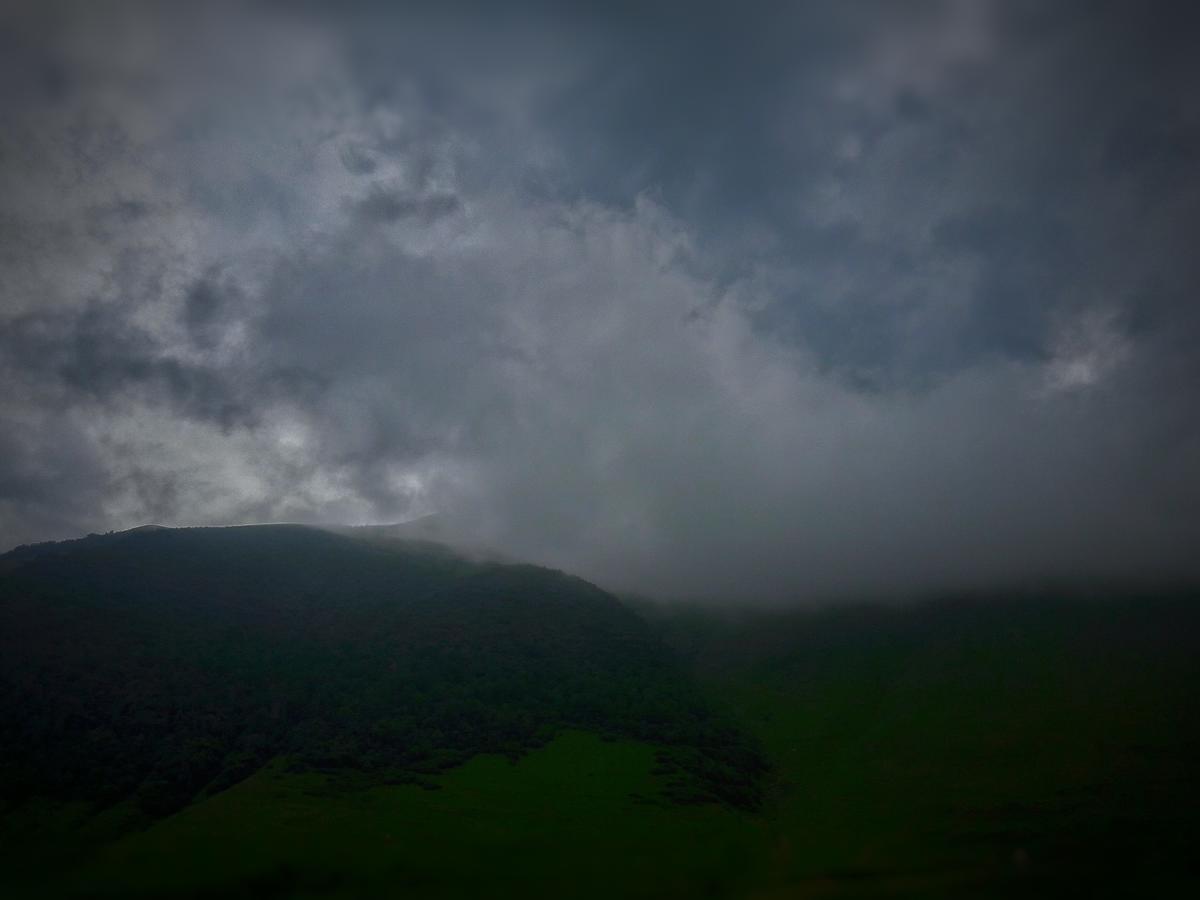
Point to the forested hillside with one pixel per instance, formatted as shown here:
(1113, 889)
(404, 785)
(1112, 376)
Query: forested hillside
(166, 665)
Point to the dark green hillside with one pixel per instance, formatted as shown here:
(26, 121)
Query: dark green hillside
(285, 712)
(166, 665)
(1006, 746)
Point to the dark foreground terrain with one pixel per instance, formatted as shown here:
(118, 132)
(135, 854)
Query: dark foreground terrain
(280, 711)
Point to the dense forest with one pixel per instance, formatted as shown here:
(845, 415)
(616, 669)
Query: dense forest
(165, 665)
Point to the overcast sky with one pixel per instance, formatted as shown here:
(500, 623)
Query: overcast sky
(787, 301)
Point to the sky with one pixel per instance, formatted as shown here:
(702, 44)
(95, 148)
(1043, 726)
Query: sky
(732, 301)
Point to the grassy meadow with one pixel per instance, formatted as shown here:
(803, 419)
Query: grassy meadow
(579, 817)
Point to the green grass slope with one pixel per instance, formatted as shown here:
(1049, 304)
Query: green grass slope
(579, 817)
(1009, 748)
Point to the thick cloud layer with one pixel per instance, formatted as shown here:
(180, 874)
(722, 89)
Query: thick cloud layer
(822, 300)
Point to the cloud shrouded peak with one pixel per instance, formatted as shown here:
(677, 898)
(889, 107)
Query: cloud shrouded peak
(810, 302)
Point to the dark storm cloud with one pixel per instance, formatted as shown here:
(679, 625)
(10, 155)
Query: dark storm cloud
(358, 160)
(390, 205)
(1025, 258)
(802, 301)
(51, 481)
(96, 355)
(202, 308)
(914, 120)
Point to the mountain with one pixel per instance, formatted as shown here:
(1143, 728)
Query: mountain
(286, 712)
(166, 665)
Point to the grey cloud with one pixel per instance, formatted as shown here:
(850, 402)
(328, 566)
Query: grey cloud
(96, 355)
(1026, 257)
(1156, 142)
(358, 160)
(210, 303)
(807, 302)
(394, 205)
(52, 480)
